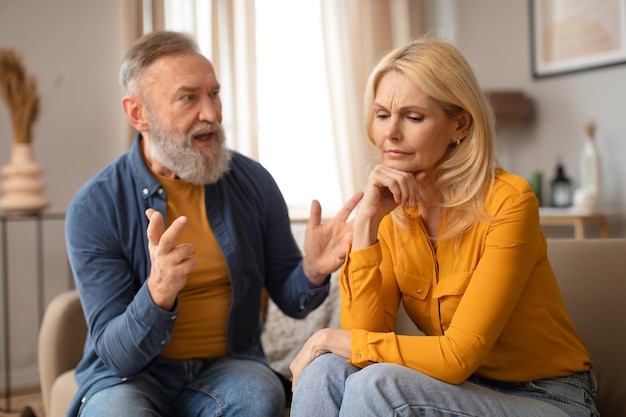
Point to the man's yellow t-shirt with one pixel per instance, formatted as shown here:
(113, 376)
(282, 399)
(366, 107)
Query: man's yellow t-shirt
(204, 302)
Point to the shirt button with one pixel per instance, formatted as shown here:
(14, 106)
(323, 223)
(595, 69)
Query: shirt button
(82, 400)
(301, 307)
(145, 191)
(173, 317)
(419, 291)
(160, 191)
(358, 356)
(311, 294)
(162, 342)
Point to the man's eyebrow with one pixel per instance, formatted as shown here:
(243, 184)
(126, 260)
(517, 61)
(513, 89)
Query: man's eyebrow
(189, 89)
(186, 89)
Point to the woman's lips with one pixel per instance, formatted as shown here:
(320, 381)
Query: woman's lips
(394, 153)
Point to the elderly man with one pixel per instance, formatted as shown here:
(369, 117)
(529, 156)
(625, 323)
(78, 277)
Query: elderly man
(171, 246)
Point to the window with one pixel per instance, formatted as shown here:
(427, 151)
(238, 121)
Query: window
(295, 131)
(295, 138)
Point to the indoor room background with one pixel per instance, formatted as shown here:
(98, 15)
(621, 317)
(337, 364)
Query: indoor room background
(75, 47)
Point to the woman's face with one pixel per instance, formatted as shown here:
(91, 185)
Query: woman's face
(410, 129)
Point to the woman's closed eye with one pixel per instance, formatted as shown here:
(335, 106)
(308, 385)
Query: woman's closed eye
(382, 115)
(415, 117)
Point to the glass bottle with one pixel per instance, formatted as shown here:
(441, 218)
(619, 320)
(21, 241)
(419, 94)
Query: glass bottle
(561, 188)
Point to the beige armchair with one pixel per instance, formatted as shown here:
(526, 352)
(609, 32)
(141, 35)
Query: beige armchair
(591, 273)
(61, 339)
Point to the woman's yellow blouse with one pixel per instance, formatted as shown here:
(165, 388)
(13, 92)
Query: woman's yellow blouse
(491, 306)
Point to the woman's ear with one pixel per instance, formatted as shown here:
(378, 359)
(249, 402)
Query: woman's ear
(135, 112)
(463, 124)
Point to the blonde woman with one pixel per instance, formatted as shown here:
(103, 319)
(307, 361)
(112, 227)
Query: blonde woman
(456, 239)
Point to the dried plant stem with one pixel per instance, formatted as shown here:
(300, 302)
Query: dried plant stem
(20, 94)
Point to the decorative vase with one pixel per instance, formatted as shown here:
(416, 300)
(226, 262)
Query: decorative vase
(23, 187)
(589, 193)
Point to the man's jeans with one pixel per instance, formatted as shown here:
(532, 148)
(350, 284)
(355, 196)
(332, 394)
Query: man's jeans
(330, 386)
(193, 388)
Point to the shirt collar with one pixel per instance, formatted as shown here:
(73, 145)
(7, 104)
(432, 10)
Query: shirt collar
(147, 184)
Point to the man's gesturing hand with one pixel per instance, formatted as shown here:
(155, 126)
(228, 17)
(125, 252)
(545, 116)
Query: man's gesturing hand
(170, 262)
(326, 245)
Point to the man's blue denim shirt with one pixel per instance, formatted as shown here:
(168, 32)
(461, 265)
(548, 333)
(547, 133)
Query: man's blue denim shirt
(108, 250)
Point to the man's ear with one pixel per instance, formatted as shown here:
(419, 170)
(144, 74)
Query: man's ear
(135, 112)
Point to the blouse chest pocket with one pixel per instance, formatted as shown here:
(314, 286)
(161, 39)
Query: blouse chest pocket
(413, 285)
(430, 304)
(416, 297)
(452, 285)
(448, 293)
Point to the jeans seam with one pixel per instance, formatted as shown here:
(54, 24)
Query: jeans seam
(421, 408)
(561, 398)
(204, 390)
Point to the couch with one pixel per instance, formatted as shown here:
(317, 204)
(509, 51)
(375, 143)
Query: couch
(591, 274)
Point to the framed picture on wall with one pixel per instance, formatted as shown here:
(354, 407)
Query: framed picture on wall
(576, 35)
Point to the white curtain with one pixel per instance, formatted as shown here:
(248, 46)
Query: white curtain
(234, 58)
(356, 34)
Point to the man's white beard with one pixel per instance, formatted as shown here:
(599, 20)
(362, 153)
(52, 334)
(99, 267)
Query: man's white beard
(176, 153)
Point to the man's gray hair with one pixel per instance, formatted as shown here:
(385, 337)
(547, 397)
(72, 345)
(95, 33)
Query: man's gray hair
(151, 47)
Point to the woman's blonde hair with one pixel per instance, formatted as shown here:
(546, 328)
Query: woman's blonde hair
(465, 175)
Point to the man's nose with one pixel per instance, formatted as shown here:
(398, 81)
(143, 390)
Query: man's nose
(210, 111)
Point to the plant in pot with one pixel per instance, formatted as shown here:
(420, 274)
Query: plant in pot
(23, 187)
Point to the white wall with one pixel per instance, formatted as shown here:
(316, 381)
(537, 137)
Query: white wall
(495, 35)
(74, 48)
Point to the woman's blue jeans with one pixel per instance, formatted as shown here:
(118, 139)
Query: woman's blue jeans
(193, 388)
(330, 386)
